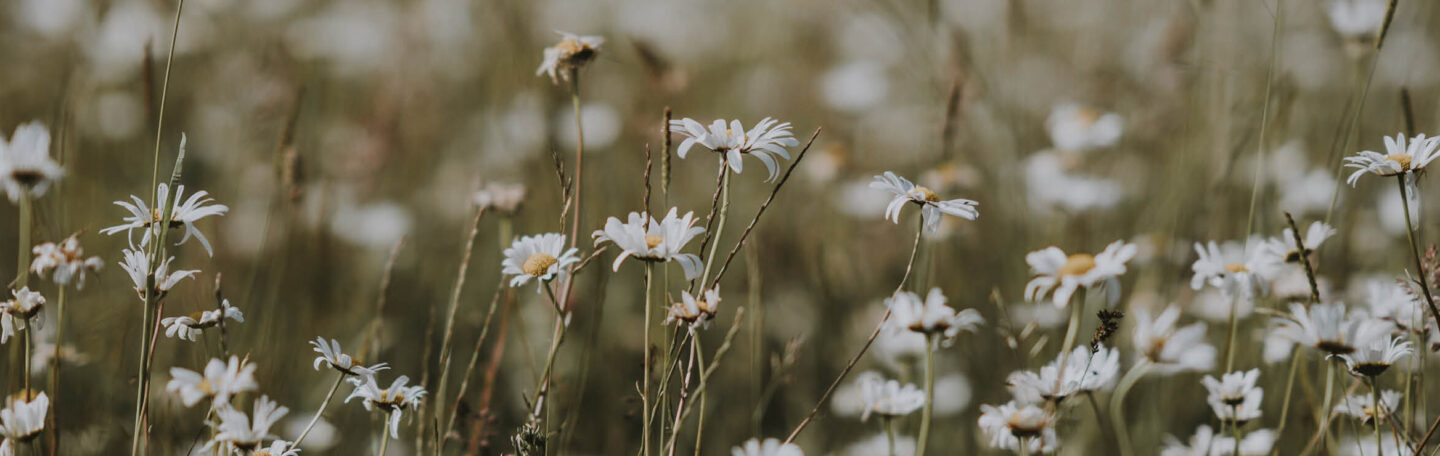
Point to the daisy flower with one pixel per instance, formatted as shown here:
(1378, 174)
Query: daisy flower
(770, 447)
(1393, 302)
(1084, 372)
(887, 398)
(502, 197)
(137, 265)
(1206, 443)
(930, 204)
(66, 260)
(1007, 424)
(189, 327)
(1399, 158)
(1329, 328)
(542, 257)
(1374, 357)
(26, 169)
(219, 381)
(1077, 127)
(21, 311)
(1172, 350)
(930, 316)
(238, 434)
(769, 137)
(693, 311)
(1235, 397)
(1362, 406)
(330, 355)
(392, 400)
(572, 52)
(1063, 274)
(645, 239)
(1238, 271)
(23, 418)
(184, 212)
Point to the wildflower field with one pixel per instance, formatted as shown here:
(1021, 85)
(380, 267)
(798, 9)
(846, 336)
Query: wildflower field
(746, 228)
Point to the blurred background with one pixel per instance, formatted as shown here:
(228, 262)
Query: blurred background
(335, 130)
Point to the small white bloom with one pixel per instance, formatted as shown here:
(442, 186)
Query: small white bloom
(502, 197)
(1399, 158)
(1172, 350)
(1391, 301)
(1084, 372)
(393, 400)
(646, 239)
(1050, 184)
(1007, 424)
(137, 265)
(572, 52)
(1206, 443)
(331, 355)
(238, 434)
(1078, 128)
(770, 447)
(1235, 397)
(1356, 18)
(887, 398)
(23, 418)
(182, 214)
(189, 327)
(1329, 328)
(1239, 271)
(1374, 357)
(220, 381)
(26, 169)
(930, 204)
(1064, 274)
(930, 316)
(1362, 406)
(1283, 249)
(769, 137)
(542, 256)
(66, 260)
(693, 311)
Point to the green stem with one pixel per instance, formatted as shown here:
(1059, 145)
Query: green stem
(1295, 358)
(385, 434)
(55, 371)
(1324, 414)
(645, 352)
(1230, 332)
(22, 253)
(719, 225)
(889, 425)
(29, 349)
(1117, 404)
(323, 404)
(1076, 313)
(699, 420)
(579, 161)
(1235, 427)
(929, 408)
(1377, 410)
(542, 391)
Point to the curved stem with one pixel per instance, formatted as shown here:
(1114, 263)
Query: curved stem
(1117, 404)
(699, 420)
(323, 404)
(385, 433)
(929, 408)
(719, 224)
(889, 425)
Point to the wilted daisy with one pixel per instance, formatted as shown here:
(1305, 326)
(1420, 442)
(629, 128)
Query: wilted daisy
(220, 381)
(1007, 424)
(26, 169)
(930, 204)
(1206, 443)
(392, 400)
(930, 316)
(1328, 328)
(1238, 271)
(1172, 350)
(239, 434)
(769, 137)
(137, 265)
(23, 418)
(693, 311)
(770, 447)
(19, 312)
(1077, 128)
(645, 239)
(1399, 158)
(502, 197)
(572, 52)
(542, 256)
(189, 327)
(887, 398)
(330, 355)
(1084, 372)
(1362, 406)
(1374, 357)
(182, 214)
(1234, 397)
(66, 260)
(1054, 270)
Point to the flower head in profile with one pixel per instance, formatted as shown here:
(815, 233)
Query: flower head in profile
(1375, 356)
(1076, 127)
(330, 355)
(66, 261)
(930, 204)
(542, 256)
(1206, 443)
(693, 311)
(1329, 328)
(137, 265)
(569, 55)
(1084, 371)
(499, 196)
(767, 138)
(930, 316)
(887, 398)
(1238, 271)
(769, 447)
(184, 213)
(1172, 349)
(1007, 424)
(1064, 274)
(219, 381)
(643, 238)
(189, 327)
(19, 312)
(392, 400)
(1400, 157)
(26, 169)
(23, 418)
(1234, 397)
(237, 433)
(1362, 406)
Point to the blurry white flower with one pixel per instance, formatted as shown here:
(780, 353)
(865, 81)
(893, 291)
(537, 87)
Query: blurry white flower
(770, 447)
(220, 381)
(23, 418)
(321, 438)
(900, 349)
(952, 395)
(183, 214)
(331, 355)
(1390, 301)
(1399, 158)
(67, 261)
(1362, 406)
(1211, 305)
(53, 18)
(502, 197)
(1307, 193)
(1277, 348)
(854, 86)
(1078, 128)
(1356, 18)
(1053, 267)
(1084, 372)
(1235, 397)
(693, 311)
(602, 125)
(392, 400)
(1172, 350)
(887, 398)
(1328, 328)
(238, 434)
(1364, 445)
(19, 312)
(1206, 443)
(930, 204)
(769, 137)
(45, 354)
(1047, 184)
(1284, 250)
(1374, 357)
(1238, 271)
(376, 225)
(542, 257)
(930, 316)
(276, 448)
(137, 264)
(880, 444)
(645, 239)
(189, 327)
(572, 52)
(26, 169)
(1007, 424)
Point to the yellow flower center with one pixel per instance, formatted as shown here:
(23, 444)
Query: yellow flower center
(205, 387)
(1087, 115)
(1078, 264)
(570, 46)
(653, 240)
(538, 263)
(926, 194)
(1236, 268)
(1401, 159)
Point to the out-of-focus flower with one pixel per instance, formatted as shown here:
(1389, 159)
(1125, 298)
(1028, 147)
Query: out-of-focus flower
(645, 239)
(887, 398)
(1238, 271)
(392, 400)
(930, 316)
(23, 418)
(1078, 128)
(1064, 274)
(1206, 443)
(1374, 357)
(569, 55)
(542, 257)
(1362, 406)
(880, 444)
(1365, 446)
(770, 447)
(220, 381)
(183, 214)
(1172, 350)
(237, 433)
(1234, 397)
(1283, 249)
(1356, 18)
(1390, 301)
(26, 169)
(930, 204)
(1007, 424)
(66, 260)
(137, 265)
(189, 327)
(767, 138)
(1328, 328)
(499, 196)
(331, 355)
(694, 311)
(1048, 184)
(19, 312)
(1084, 371)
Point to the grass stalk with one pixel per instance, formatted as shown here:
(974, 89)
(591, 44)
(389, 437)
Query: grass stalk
(928, 410)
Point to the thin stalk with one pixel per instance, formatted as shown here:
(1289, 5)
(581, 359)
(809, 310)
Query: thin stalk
(385, 434)
(29, 351)
(579, 160)
(1077, 311)
(323, 404)
(719, 224)
(645, 352)
(1099, 415)
(927, 412)
(699, 420)
(1230, 333)
(1235, 427)
(889, 425)
(470, 367)
(22, 252)
(1375, 405)
(1117, 404)
(55, 372)
(1415, 249)
(1329, 393)
(1024, 446)
(446, 352)
(1295, 359)
(557, 337)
